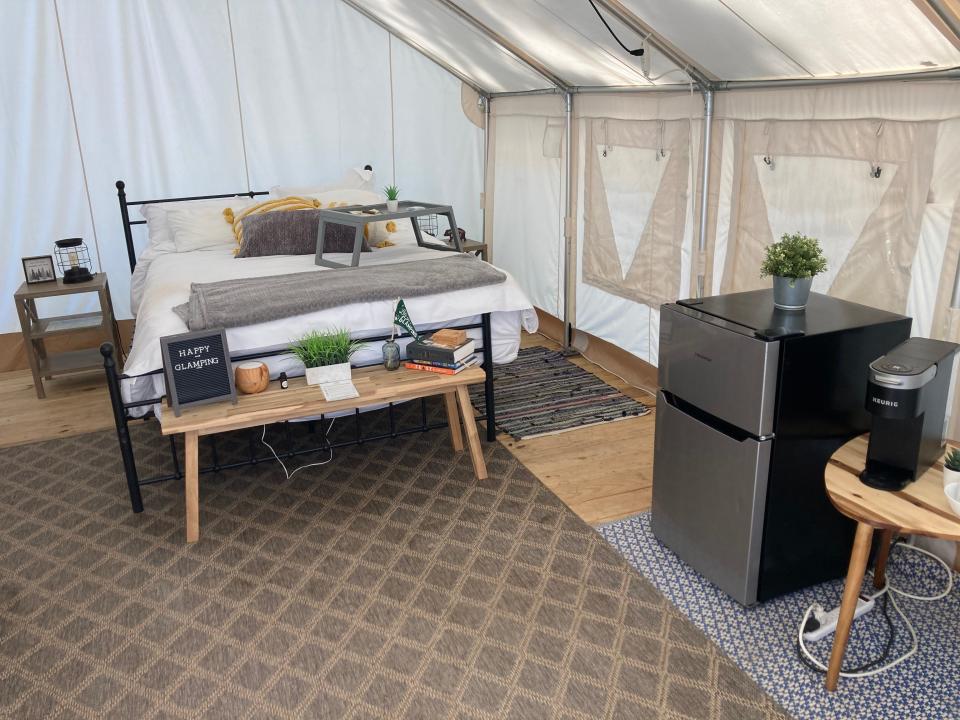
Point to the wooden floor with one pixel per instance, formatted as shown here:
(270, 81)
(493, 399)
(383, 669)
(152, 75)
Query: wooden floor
(603, 472)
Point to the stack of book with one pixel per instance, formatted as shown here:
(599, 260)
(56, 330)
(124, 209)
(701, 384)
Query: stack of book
(446, 352)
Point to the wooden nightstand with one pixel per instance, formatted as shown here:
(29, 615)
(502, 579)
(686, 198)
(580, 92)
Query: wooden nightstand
(37, 329)
(476, 247)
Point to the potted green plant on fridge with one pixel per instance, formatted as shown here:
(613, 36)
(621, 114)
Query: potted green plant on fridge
(393, 197)
(326, 355)
(793, 262)
(951, 467)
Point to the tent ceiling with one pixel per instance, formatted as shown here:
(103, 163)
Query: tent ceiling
(525, 45)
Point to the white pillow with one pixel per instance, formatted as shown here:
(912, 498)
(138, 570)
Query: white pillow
(350, 197)
(159, 232)
(201, 228)
(160, 239)
(353, 179)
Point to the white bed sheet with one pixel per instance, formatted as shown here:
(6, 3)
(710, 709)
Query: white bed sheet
(168, 284)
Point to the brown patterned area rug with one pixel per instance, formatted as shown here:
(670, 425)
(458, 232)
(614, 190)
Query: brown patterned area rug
(386, 584)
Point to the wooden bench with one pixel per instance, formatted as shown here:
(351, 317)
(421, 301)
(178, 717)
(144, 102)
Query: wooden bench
(376, 386)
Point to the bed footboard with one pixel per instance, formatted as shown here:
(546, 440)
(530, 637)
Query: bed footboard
(121, 416)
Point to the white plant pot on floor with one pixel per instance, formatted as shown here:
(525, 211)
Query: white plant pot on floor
(328, 374)
(950, 476)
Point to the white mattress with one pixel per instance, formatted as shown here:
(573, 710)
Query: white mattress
(168, 280)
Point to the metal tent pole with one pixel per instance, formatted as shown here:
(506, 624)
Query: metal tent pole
(486, 170)
(945, 74)
(569, 227)
(705, 180)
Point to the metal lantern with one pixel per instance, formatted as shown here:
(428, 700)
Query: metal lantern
(74, 260)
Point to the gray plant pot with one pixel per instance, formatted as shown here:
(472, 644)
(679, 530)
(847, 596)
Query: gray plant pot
(791, 293)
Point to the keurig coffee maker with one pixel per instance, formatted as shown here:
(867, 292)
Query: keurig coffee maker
(907, 394)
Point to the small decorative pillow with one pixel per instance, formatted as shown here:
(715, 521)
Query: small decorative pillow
(292, 233)
(288, 203)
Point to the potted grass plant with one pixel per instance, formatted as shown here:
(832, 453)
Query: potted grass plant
(793, 262)
(951, 467)
(393, 197)
(326, 355)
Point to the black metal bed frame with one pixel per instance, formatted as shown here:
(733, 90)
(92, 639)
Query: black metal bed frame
(121, 409)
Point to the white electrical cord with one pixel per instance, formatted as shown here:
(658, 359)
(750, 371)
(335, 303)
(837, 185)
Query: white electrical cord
(891, 592)
(263, 439)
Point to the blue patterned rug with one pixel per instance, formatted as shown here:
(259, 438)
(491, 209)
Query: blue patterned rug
(762, 640)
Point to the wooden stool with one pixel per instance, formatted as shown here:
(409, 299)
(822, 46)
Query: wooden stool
(919, 509)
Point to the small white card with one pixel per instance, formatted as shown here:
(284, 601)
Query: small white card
(342, 390)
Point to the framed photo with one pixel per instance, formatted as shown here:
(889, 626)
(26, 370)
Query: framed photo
(39, 269)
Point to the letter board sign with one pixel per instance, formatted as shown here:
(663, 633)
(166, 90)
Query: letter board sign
(197, 368)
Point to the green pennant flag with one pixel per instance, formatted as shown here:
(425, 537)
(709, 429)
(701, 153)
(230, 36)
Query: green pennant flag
(401, 318)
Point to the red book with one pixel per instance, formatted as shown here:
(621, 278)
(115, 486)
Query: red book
(430, 368)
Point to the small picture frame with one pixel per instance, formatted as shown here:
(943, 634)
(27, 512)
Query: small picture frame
(39, 269)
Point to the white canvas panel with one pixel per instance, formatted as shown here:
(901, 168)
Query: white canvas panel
(617, 320)
(856, 37)
(528, 217)
(826, 198)
(927, 267)
(42, 196)
(156, 105)
(442, 33)
(716, 39)
(624, 323)
(569, 39)
(439, 152)
(945, 183)
(926, 100)
(314, 82)
(724, 205)
(631, 178)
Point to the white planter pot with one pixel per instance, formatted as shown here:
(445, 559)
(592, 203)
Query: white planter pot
(392, 205)
(950, 476)
(328, 374)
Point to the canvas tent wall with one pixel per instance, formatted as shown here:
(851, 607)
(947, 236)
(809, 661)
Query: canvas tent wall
(188, 98)
(594, 169)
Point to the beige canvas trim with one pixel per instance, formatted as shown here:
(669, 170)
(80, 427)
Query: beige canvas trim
(469, 99)
(942, 320)
(877, 269)
(654, 275)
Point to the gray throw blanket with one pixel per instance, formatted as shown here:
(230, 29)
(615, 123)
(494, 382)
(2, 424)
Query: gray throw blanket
(248, 301)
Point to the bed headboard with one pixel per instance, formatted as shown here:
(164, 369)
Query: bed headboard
(128, 223)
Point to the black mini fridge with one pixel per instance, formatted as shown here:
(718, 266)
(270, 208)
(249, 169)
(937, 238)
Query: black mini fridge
(753, 402)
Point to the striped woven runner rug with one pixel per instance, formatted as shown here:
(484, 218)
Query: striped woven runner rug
(543, 393)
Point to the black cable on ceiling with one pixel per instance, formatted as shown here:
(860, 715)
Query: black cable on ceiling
(636, 53)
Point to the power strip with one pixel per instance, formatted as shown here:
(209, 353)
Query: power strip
(825, 623)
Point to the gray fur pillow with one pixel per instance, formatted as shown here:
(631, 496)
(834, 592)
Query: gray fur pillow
(293, 232)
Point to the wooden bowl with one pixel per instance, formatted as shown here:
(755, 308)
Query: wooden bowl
(251, 377)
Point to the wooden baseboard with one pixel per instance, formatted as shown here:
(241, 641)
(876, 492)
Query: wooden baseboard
(13, 353)
(635, 371)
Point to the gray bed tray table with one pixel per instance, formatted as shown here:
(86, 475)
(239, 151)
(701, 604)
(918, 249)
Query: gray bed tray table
(406, 209)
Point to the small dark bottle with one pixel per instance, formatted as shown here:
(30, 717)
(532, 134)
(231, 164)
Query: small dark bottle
(284, 383)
